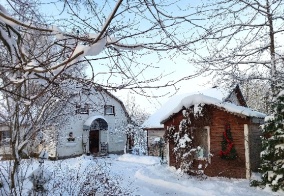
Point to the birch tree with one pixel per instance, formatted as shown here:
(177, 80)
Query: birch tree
(241, 40)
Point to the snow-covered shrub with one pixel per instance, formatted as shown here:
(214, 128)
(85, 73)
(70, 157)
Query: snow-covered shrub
(41, 175)
(68, 180)
(139, 139)
(39, 178)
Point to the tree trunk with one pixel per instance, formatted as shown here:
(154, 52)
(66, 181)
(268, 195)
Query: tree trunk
(272, 49)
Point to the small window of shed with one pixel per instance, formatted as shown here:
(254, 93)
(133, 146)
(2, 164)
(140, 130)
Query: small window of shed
(201, 142)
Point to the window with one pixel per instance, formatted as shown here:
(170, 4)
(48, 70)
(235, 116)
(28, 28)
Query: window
(201, 142)
(82, 109)
(109, 110)
(5, 137)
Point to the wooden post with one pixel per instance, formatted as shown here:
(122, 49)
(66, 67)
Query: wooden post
(247, 153)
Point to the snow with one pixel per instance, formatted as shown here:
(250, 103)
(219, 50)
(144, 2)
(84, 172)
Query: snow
(278, 177)
(147, 160)
(281, 93)
(91, 50)
(213, 96)
(174, 186)
(92, 118)
(58, 33)
(268, 118)
(145, 176)
(157, 139)
(16, 81)
(4, 19)
(27, 102)
(183, 140)
(154, 120)
(281, 146)
(43, 154)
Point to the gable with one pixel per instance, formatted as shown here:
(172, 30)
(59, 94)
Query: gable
(98, 100)
(236, 97)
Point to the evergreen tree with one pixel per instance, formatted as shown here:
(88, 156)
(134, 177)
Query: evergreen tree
(272, 156)
(228, 149)
(184, 150)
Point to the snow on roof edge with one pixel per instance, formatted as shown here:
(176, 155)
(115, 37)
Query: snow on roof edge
(154, 120)
(203, 99)
(213, 96)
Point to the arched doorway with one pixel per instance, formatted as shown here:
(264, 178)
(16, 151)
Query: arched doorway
(96, 127)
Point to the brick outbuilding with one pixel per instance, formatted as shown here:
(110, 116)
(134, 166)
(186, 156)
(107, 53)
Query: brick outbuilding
(209, 118)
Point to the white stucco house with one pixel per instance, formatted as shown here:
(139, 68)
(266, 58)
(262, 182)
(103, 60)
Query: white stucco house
(96, 126)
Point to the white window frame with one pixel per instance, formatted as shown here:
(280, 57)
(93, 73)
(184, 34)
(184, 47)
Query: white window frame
(208, 157)
(208, 141)
(82, 109)
(247, 152)
(111, 107)
(5, 136)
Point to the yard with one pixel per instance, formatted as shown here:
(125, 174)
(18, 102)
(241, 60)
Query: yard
(137, 175)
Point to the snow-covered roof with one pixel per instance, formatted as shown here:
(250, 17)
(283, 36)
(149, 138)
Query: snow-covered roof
(213, 96)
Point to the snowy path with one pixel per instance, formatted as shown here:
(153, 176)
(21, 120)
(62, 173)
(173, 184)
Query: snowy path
(149, 178)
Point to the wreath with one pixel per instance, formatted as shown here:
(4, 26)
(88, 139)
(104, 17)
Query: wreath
(228, 149)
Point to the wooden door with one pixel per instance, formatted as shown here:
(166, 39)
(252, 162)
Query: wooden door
(94, 140)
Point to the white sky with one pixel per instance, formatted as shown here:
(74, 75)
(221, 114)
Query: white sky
(151, 104)
(177, 68)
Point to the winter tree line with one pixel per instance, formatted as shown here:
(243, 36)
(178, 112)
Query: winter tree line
(44, 56)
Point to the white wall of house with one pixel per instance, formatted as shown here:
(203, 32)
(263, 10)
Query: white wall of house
(233, 99)
(114, 136)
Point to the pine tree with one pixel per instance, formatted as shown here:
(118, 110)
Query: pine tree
(272, 156)
(228, 149)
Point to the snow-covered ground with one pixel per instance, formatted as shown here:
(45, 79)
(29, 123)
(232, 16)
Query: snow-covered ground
(148, 177)
(144, 175)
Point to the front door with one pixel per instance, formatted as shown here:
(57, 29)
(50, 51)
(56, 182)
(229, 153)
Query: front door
(94, 140)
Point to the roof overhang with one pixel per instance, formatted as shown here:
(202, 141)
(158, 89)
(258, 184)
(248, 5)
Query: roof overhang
(257, 120)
